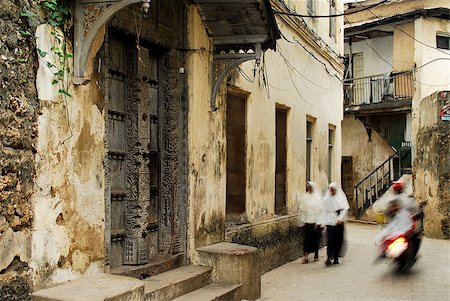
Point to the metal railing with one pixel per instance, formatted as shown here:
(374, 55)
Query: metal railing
(372, 187)
(369, 189)
(379, 88)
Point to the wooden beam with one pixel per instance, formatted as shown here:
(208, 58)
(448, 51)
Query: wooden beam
(240, 39)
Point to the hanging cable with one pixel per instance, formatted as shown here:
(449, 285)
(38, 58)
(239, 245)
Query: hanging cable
(329, 16)
(399, 29)
(387, 62)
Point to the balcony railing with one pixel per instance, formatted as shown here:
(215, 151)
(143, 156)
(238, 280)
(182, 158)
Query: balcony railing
(379, 88)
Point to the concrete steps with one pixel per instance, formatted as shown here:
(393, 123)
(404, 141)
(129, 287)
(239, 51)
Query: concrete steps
(177, 282)
(212, 292)
(103, 287)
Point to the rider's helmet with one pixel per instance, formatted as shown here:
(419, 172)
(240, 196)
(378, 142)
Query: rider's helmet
(398, 186)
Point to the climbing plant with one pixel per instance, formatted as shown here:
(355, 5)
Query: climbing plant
(57, 14)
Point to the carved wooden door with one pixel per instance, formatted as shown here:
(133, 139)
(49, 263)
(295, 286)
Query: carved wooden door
(133, 153)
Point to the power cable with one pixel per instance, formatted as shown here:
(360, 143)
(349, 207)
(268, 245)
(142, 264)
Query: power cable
(387, 62)
(329, 16)
(312, 55)
(287, 62)
(399, 29)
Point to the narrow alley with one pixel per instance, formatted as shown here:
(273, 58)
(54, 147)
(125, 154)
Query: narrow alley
(357, 278)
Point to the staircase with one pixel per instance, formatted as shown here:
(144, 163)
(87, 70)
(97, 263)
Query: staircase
(187, 283)
(369, 189)
(227, 272)
(372, 187)
(193, 283)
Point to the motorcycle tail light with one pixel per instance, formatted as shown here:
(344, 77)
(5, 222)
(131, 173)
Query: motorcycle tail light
(397, 247)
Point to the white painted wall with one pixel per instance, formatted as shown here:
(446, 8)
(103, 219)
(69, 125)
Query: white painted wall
(319, 95)
(307, 89)
(373, 65)
(435, 75)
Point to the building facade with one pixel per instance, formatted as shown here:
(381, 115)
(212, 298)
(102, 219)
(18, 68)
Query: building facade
(397, 56)
(135, 133)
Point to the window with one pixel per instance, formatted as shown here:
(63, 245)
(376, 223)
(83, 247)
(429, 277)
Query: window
(236, 157)
(332, 19)
(309, 140)
(330, 153)
(443, 41)
(281, 160)
(310, 5)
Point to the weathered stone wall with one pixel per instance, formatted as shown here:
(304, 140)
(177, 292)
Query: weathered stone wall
(279, 241)
(18, 113)
(432, 165)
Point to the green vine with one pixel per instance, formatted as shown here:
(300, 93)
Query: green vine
(57, 14)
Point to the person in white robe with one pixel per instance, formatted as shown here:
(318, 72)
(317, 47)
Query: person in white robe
(335, 208)
(310, 208)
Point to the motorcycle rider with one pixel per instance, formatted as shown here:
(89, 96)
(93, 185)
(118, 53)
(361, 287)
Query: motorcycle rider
(406, 201)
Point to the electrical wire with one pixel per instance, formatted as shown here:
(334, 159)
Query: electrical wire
(399, 29)
(312, 55)
(330, 16)
(287, 62)
(387, 62)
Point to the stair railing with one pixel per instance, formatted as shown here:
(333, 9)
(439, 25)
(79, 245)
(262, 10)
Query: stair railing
(368, 190)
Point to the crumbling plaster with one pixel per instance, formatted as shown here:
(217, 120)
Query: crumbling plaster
(432, 165)
(207, 172)
(320, 98)
(68, 199)
(367, 152)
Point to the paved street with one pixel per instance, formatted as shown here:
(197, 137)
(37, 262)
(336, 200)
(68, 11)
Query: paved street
(357, 278)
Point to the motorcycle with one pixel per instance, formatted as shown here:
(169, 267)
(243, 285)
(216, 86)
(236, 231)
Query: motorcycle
(402, 248)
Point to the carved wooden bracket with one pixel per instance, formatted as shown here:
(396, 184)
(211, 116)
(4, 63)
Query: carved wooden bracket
(224, 63)
(90, 16)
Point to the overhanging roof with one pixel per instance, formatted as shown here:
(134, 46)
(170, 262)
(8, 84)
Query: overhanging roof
(381, 108)
(237, 24)
(441, 12)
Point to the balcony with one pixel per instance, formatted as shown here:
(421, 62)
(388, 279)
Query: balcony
(379, 93)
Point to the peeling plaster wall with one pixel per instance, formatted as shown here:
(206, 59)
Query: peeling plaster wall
(18, 114)
(367, 154)
(432, 165)
(319, 98)
(68, 197)
(434, 76)
(207, 170)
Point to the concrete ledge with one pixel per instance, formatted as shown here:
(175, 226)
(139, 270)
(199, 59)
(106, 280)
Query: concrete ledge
(234, 264)
(103, 287)
(279, 240)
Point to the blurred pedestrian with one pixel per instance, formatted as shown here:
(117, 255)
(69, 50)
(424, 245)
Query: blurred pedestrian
(335, 208)
(310, 208)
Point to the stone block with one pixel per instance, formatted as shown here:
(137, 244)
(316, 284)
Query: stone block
(234, 264)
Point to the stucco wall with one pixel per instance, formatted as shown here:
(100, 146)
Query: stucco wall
(367, 153)
(18, 113)
(434, 75)
(68, 197)
(432, 164)
(319, 96)
(207, 170)
(320, 26)
(403, 47)
(373, 65)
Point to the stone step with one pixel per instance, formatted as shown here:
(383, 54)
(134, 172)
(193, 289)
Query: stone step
(212, 292)
(159, 264)
(169, 285)
(103, 287)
